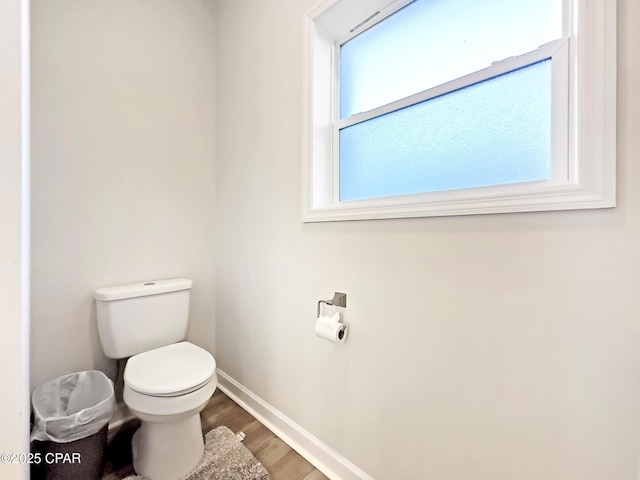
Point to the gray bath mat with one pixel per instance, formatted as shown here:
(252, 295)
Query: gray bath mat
(225, 458)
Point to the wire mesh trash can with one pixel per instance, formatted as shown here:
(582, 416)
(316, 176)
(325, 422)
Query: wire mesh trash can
(69, 435)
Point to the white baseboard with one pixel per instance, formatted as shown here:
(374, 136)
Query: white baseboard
(121, 416)
(319, 454)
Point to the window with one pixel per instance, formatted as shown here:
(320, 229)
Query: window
(444, 107)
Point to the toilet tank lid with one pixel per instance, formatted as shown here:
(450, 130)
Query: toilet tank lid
(141, 289)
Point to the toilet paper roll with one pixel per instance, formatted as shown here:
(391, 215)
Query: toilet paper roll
(330, 329)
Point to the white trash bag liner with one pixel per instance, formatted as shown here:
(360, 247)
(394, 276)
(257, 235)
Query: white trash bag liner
(72, 407)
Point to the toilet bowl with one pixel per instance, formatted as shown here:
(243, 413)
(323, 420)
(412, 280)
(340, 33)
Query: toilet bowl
(167, 388)
(167, 380)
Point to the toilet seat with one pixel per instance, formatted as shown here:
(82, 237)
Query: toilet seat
(170, 371)
(168, 409)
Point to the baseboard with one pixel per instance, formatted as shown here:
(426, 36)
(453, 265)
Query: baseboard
(319, 454)
(120, 417)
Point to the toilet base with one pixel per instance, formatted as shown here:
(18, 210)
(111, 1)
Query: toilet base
(168, 451)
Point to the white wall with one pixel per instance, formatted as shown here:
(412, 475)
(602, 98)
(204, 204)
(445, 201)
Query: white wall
(123, 145)
(14, 401)
(487, 347)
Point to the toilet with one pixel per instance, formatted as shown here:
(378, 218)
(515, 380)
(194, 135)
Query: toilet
(167, 380)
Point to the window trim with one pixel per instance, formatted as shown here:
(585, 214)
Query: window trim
(585, 179)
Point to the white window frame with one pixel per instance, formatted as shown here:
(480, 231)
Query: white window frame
(583, 135)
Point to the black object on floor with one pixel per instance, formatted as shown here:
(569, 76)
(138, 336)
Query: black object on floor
(81, 459)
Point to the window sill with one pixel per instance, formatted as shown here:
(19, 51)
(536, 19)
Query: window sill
(538, 196)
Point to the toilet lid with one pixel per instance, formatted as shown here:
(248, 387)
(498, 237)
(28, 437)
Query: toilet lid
(171, 370)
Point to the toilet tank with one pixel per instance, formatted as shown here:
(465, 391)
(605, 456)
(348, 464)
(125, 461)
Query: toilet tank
(142, 316)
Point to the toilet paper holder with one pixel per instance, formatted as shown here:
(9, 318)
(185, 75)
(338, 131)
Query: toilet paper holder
(339, 300)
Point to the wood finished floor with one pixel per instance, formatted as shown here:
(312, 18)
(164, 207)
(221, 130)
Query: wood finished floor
(280, 460)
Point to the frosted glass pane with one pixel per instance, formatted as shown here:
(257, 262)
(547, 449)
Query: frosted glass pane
(430, 42)
(491, 133)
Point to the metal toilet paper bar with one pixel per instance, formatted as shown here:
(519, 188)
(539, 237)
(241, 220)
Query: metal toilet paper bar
(338, 300)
